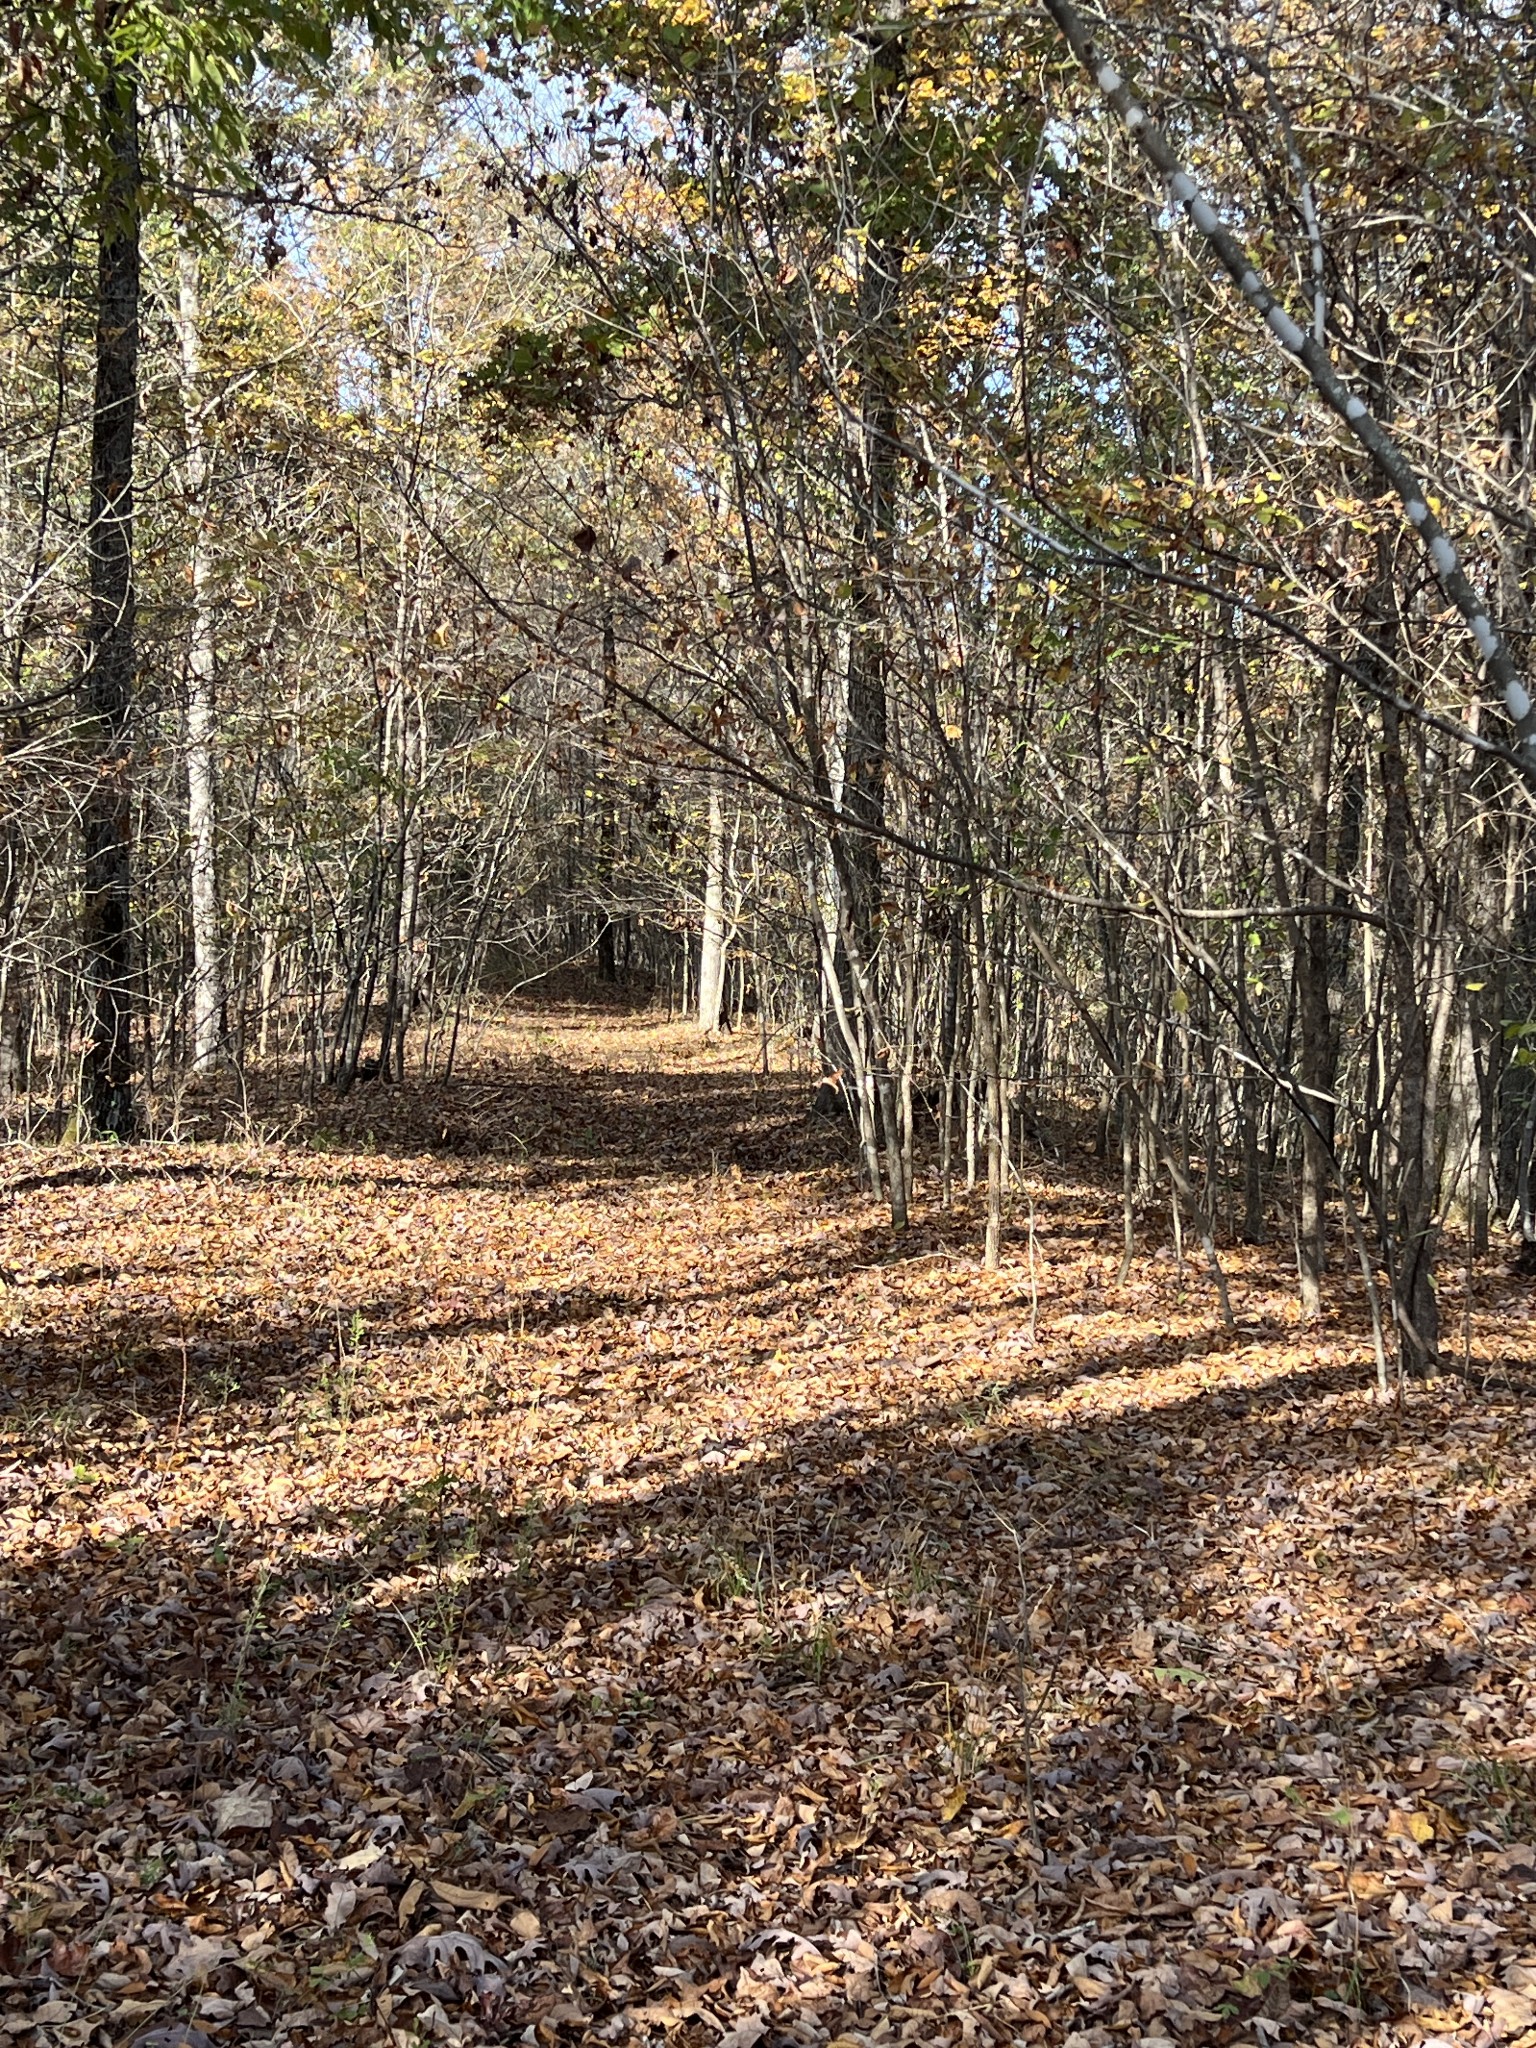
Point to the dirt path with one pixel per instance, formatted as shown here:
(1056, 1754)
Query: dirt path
(538, 1560)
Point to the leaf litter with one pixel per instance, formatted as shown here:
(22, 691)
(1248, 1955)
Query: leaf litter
(539, 1560)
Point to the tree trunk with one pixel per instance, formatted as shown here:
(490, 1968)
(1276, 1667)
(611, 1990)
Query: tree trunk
(106, 911)
(202, 795)
(986, 1040)
(712, 948)
(873, 490)
(1415, 1224)
(608, 818)
(1317, 1044)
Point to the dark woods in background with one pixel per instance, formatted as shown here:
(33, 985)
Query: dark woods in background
(822, 555)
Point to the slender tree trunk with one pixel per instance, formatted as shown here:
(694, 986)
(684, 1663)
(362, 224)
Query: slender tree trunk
(410, 988)
(712, 947)
(1317, 1055)
(873, 491)
(400, 990)
(106, 915)
(1127, 1184)
(202, 794)
(1415, 1225)
(986, 1040)
(1245, 1099)
(874, 494)
(608, 818)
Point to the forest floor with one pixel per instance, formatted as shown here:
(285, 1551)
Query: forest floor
(538, 1560)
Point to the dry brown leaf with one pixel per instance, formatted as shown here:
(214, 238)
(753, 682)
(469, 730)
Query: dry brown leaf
(467, 1896)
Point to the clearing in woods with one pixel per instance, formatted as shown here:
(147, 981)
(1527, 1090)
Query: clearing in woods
(537, 1559)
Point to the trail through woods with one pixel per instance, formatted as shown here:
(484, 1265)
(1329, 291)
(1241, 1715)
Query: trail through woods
(539, 1559)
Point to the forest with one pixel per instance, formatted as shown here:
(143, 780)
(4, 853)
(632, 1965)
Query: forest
(767, 1023)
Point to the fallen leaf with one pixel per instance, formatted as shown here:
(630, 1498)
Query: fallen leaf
(464, 1895)
(197, 1959)
(340, 1905)
(1507, 2012)
(745, 2034)
(245, 1807)
(359, 1859)
(1413, 1827)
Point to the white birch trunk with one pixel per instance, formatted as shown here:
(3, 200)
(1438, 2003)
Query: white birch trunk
(202, 794)
(1309, 350)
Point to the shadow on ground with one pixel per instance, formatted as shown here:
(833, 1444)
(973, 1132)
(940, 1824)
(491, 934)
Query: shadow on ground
(623, 1692)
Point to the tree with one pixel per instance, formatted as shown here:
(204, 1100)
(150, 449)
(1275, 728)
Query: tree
(108, 654)
(201, 671)
(198, 62)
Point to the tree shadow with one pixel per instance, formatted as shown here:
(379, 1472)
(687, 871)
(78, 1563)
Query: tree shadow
(154, 1362)
(555, 1120)
(422, 1644)
(474, 1642)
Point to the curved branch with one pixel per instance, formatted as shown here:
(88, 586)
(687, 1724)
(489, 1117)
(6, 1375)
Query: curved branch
(1315, 359)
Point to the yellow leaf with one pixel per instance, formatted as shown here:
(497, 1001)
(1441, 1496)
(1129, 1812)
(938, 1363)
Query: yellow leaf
(1414, 1827)
(953, 1801)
